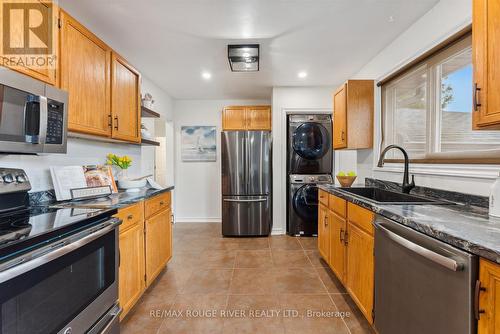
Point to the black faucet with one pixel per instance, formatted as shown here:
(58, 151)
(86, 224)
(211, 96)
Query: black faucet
(407, 186)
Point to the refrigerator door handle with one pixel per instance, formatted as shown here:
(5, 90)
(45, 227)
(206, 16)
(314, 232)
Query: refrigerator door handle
(245, 200)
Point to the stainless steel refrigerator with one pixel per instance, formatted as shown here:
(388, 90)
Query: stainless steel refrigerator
(246, 183)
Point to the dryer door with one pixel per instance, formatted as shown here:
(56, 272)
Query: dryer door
(305, 206)
(311, 141)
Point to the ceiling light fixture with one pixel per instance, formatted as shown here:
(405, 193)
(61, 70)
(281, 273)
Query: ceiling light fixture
(302, 74)
(206, 75)
(243, 57)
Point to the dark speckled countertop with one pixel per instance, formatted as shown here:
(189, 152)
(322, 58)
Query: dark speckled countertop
(462, 225)
(118, 200)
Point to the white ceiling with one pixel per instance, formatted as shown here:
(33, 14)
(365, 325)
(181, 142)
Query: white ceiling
(173, 41)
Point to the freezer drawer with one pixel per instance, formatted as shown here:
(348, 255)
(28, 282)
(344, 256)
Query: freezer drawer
(246, 215)
(422, 285)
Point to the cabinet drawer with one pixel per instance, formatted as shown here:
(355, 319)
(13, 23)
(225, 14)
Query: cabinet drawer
(361, 217)
(338, 205)
(323, 197)
(131, 215)
(157, 204)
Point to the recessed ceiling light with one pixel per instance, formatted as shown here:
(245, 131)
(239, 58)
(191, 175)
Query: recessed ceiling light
(391, 19)
(206, 75)
(302, 74)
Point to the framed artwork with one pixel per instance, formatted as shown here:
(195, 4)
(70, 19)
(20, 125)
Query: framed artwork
(198, 143)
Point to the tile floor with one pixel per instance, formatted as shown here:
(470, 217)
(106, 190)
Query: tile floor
(244, 285)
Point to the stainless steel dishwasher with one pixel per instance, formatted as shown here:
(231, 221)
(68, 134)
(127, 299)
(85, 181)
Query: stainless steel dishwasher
(422, 285)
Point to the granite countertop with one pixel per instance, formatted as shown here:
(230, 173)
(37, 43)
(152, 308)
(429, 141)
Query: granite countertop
(120, 199)
(463, 226)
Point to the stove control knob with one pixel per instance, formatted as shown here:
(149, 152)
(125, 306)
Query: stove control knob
(21, 178)
(8, 178)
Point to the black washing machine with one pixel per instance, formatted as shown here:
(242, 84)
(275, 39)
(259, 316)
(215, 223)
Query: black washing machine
(310, 144)
(302, 208)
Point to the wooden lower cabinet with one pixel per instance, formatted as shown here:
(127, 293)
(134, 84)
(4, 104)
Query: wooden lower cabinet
(337, 245)
(158, 244)
(132, 269)
(489, 298)
(360, 269)
(349, 249)
(323, 233)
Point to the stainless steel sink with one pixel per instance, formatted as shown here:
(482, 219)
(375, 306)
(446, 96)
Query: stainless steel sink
(391, 197)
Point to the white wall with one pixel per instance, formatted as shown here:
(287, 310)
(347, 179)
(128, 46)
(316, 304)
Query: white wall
(198, 184)
(287, 100)
(442, 21)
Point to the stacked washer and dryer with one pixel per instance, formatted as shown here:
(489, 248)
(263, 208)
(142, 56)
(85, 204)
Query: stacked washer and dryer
(310, 162)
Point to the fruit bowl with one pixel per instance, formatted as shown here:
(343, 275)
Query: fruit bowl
(345, 180)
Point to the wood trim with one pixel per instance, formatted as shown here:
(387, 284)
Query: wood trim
(426, 55)
(465, 161)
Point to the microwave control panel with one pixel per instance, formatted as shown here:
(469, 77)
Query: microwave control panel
(55, 122)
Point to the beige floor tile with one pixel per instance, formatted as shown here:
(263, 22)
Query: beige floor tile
(252, 243)
(284, 242)
(218, 259)
(308, 243)
(331, 282)
(315, 258)
(191, 326)
(253, 281)
(356, 322)
(208, 281)
(290, 259)
(298, 280)
(172, 280)
(253, 259)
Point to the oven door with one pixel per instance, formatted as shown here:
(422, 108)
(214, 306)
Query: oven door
(66, 287)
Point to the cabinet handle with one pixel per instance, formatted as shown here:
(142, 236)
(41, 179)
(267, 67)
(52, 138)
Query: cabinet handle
(116, 122)
(110, 120)
(129, 217)
(477, 291)
(346, 238)
(161, 202)
(476, 101)
(342, 136)
(326, 221)
(341, 235)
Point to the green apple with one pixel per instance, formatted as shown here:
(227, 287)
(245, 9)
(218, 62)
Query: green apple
(351, 173)
(341, 174)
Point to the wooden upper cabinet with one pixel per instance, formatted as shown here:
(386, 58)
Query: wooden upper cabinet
(125, 100)
(49, 36)
(259, 118)
(489, 298)
(85, 73)
(353, 107)
(486, 64)
(234, 118)
(246, 118)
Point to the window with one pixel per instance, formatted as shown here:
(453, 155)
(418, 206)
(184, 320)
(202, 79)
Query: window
(428, 110)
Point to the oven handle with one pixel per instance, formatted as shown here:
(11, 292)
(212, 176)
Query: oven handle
(25, 267)
(115, 317)
(422, 251)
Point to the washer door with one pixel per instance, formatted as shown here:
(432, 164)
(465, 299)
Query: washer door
(305, 202)
(311, 141)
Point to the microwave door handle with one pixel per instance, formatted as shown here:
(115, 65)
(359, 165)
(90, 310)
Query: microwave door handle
(25, 267)
(422, 251)
(44, 119)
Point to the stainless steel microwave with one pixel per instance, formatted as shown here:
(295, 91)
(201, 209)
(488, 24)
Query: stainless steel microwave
(33, 115)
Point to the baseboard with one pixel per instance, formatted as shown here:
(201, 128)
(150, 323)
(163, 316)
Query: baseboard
(277, 231)
(197, 220)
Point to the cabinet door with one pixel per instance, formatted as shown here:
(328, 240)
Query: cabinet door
(337, 245)
(131, 272)
(259, 118)
(323, 233)
(489, 299)
(234, 118)
(340, 118)
(486, 63)
(360, 269)
(158, 244)
(125, 100)
(49, 36)
(85, 74)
